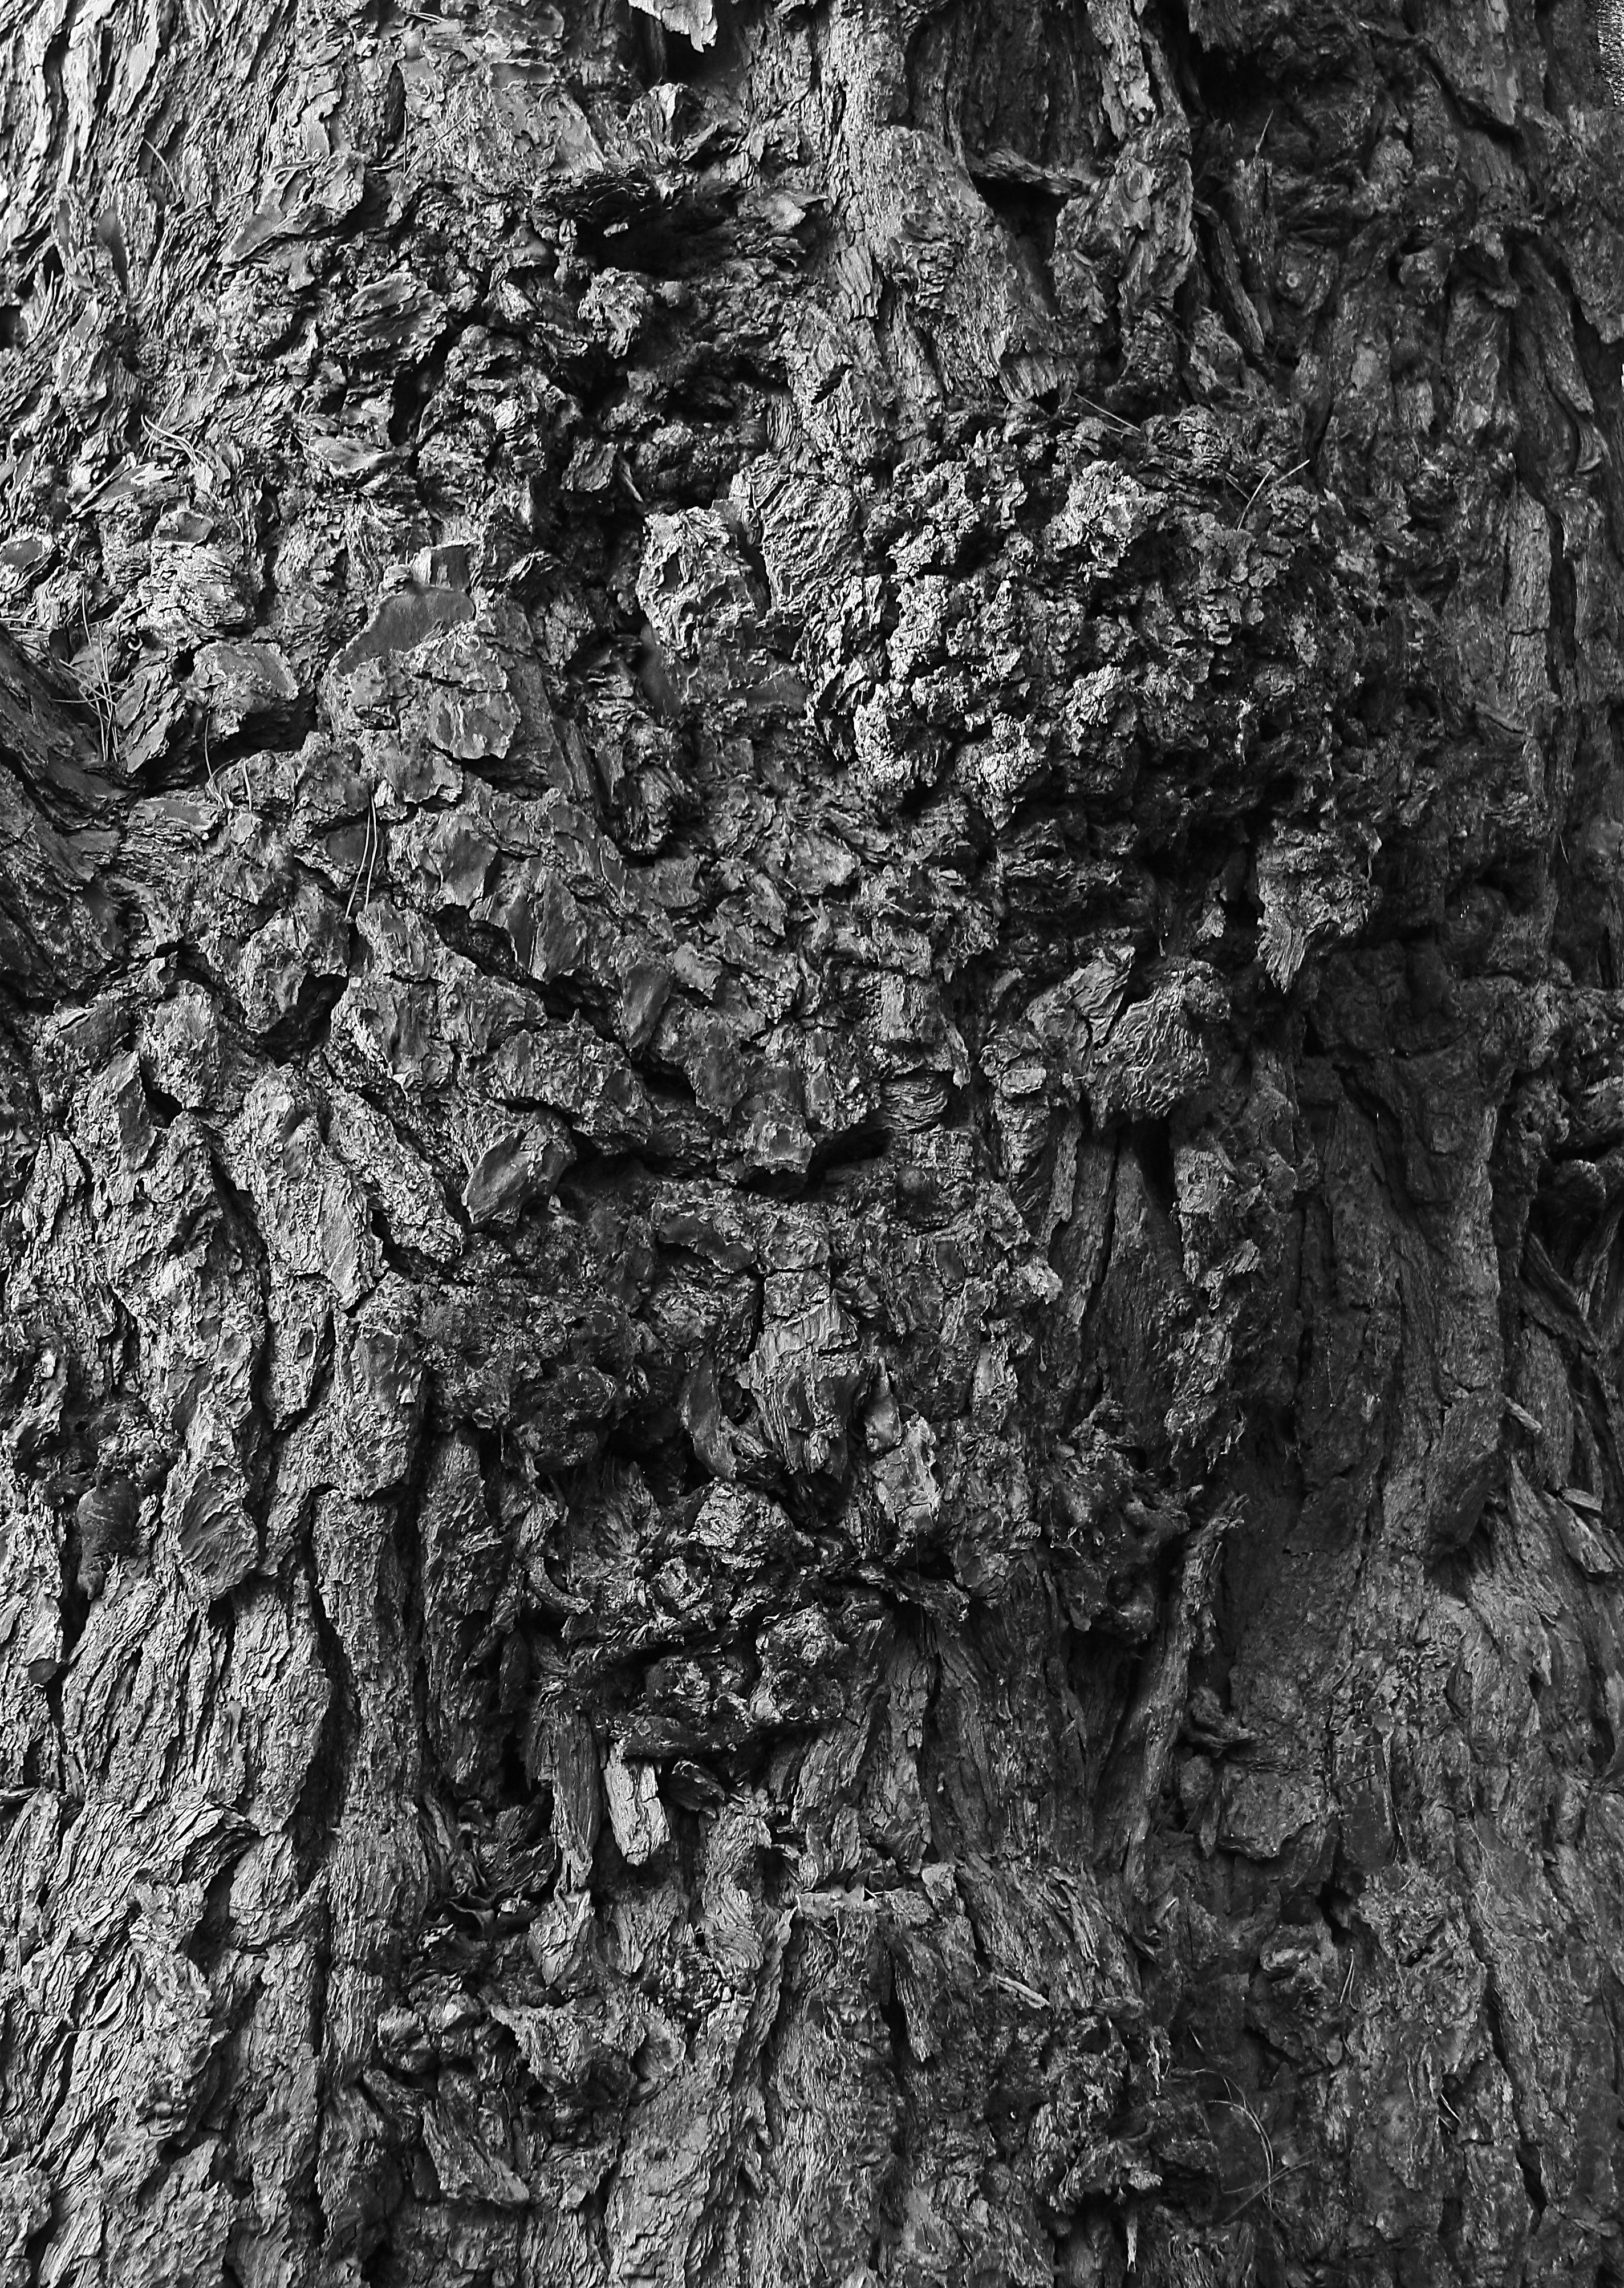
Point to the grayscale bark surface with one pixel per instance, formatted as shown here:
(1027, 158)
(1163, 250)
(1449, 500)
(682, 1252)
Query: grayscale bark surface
(812, 1144)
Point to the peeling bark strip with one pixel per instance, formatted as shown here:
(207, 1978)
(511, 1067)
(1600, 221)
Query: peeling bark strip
(812, 1144)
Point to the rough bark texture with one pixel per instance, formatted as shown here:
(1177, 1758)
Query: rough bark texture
(812, 1143)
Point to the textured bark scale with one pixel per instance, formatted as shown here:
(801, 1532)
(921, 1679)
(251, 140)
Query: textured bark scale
(812, 1143)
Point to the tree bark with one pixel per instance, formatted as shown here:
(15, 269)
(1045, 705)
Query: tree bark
(812, 1143)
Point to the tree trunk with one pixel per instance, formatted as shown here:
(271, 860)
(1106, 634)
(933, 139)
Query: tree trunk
(812, 1143)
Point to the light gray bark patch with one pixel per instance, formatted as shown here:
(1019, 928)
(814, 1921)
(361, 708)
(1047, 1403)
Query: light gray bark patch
(403, 621)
